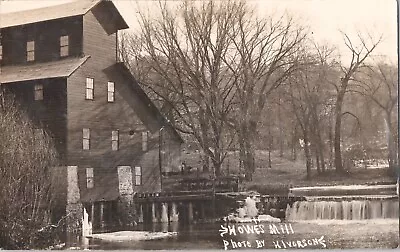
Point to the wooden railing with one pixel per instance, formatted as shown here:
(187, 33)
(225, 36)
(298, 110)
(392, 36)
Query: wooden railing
(222, 184)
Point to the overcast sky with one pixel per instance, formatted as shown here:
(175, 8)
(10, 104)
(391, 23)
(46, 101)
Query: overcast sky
(324, 17)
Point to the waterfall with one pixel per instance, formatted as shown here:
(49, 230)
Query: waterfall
(164, 213)
(332, 209)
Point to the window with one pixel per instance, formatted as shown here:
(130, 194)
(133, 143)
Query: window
(111, 91)
(64, 46)
(89, 178)
(115, 140)
(38, 92)
(144, 140)
(86, 139)
(138, 175)
(89, 88)
(30, 50)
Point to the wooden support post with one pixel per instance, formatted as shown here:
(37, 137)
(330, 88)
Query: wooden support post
(202, 214)
(190, 212)
(92, 213)
(102, 214)
(158, 212)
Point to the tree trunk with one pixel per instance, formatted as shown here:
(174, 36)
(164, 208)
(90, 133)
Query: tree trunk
(269, 158)
(280, 128)
(307, 154)
(320, 148)
(249, 161)
(206, 144)
(205, 160)
(269, 146)
(242, 155)
(317, 161)
(321, 154)
(392, 157)
(246, 149)
(330, 146)
(217, 161)
(337, 140)
(217, 167)
(319, 145)
(294, 144)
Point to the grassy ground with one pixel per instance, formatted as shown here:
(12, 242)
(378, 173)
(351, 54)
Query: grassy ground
(283, 173)
(287, 172)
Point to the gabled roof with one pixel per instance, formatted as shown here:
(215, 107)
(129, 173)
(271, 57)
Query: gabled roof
(157, 121)
(76, 8)
(37, 71)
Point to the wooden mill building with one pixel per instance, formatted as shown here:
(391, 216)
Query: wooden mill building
(61, 62)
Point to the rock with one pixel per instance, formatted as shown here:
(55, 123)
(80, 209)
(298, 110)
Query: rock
(241, 212)
(267, 218)
(260, 218)
(251, 208)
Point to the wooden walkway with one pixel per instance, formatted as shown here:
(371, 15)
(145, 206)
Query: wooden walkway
(173, 196)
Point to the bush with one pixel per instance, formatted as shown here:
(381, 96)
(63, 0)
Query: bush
(26, 158)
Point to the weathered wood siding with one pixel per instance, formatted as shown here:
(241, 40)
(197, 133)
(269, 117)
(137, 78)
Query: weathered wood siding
(49, 113)
(102, 117)
(64, 111)
(46, 36)
(171, 149)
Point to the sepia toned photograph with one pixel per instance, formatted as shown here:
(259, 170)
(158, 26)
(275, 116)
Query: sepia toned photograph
(199, 125)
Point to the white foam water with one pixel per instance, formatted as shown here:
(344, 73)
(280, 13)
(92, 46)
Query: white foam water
(343, 210)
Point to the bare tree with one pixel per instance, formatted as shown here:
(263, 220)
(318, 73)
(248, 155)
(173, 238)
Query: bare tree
(379, 83)
(215, 66)
(308, 94)
(359, 54)
(298, 94)
(27, 160)
(183, 50)
(265, 55)
(320, 100)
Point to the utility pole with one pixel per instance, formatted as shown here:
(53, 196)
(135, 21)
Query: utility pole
(159, 156)
(269, 144)
(213, 193)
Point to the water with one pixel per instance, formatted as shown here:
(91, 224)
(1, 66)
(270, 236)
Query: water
(337, 234)
(335, 222)
(342, 190)
(204, 236)
(319, 222)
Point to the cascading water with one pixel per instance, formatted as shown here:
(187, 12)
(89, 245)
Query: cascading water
(343, 208)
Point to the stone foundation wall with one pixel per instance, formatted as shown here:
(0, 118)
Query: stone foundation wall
(126, 207)
(74, 206)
